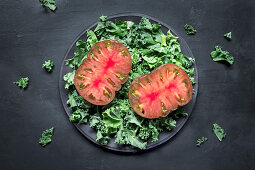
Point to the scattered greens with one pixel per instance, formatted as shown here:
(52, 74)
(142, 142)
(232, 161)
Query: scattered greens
(23, 82)
(46, 137)
(200, 141)
(190, 30)
(219, 55)
(219, 132)
(149, 48)
(48, 65)
(51, 4)
(228, 36)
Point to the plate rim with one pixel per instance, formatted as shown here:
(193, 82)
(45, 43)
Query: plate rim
(154, 144)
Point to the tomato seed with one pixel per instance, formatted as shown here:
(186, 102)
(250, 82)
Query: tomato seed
(111, 82)
(82, 86)
(91, 96)
(176, 71)
(123, 52)
(163, 108)
(108, 44)
(80, 76)
(89, 70)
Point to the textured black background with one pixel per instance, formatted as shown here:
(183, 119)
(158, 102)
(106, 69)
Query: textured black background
(29, 35)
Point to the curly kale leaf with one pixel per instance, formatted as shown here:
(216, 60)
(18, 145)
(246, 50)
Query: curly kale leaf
(228, 36)
(69, 79)
(200, 141)
(51, 4)
(169, 123)
(132, 119)
(190, 30)
(79, 116)
(76, 101)
(48, 65)
(91, 38)
(112, 119)
(220, 55)
(79, 55)
(23, 82)
(125, 136)
(103, 139)
(46, 137)
(179, 112)
(145, 24)
(219, 132)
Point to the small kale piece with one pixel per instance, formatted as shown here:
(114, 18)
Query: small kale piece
(145, 24)
(179, 112)
(69, 79)
(112, 119)
(23, 82)
(190, 30)
(79, 54)
(95, 121)
(46, 137)
(219, 55)
(51, 4)
(219, 132)
(79, 116)
(48, 65)
(228, 36)
(200, 141)
(126, 136)
(92, 38)
(77, 101)
(144, 133)
(102, 139)
(132, 119)
(169, 123)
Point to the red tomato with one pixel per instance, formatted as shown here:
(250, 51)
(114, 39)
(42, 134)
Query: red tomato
(158, 93)
(106, 67)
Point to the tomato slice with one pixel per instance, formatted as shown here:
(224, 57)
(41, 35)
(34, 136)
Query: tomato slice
(106, 67)
(158, 93)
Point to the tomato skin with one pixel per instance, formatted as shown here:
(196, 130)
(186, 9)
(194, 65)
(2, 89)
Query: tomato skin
(158, 93)
(105, 69)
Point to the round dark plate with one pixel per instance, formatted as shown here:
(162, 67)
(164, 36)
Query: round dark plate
(90, 133)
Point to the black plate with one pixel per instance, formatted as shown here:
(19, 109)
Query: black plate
(90, 133)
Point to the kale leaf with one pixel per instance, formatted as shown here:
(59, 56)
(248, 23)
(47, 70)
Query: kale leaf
(190, 30)
(92, 38)
(46, 137)
(219, 55)
(219, 132)
(228, 36)
(200, 141)
(51, 4)
(76, 101)
(48, 65)
(22, 83)
(69, 79)
(125, 136)
(79, 116)
(79, 54)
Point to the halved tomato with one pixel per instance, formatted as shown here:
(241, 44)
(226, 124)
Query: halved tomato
(158, 93)
(106, 67)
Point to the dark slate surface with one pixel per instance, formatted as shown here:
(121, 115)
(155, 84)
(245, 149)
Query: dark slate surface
(29, 34)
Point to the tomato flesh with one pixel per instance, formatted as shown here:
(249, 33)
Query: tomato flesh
(158, 93)
(106, 67)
